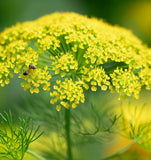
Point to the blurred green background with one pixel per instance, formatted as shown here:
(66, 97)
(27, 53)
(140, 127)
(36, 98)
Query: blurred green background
(132, 14)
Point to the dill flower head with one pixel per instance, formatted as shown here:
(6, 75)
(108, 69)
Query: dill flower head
(66, 53)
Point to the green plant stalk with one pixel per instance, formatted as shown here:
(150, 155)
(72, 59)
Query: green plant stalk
(67, 128)
(35, 155)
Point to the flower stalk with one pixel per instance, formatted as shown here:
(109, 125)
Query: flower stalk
(68, 130)
(35, 155)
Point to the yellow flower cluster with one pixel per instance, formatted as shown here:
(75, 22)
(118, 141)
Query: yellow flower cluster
(73, 48)
(96, 77)
(67, 91)
(126, 82)
(64, 64)
(35, 78)
(145, 75)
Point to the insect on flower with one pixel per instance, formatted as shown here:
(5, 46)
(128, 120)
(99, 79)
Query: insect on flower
(25, 73)
(32, 67)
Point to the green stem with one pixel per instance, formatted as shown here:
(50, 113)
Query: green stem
(67, 128)
(35, 155)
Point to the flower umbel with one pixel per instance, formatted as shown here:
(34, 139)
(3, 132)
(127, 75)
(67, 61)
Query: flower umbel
(74, 52)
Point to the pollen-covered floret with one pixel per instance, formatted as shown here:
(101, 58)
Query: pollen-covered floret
(68, 92)
(82, 52)
(145, 75)
(65, 64)
(126, 82)
(96, 77)
(5, 74)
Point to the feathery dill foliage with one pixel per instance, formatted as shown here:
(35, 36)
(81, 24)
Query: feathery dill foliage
(74, 52)
(15, 139)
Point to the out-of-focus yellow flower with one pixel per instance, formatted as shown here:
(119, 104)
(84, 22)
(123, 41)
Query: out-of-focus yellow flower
(136, 122)
(135, 152)
(134, 127)
(76, 51)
